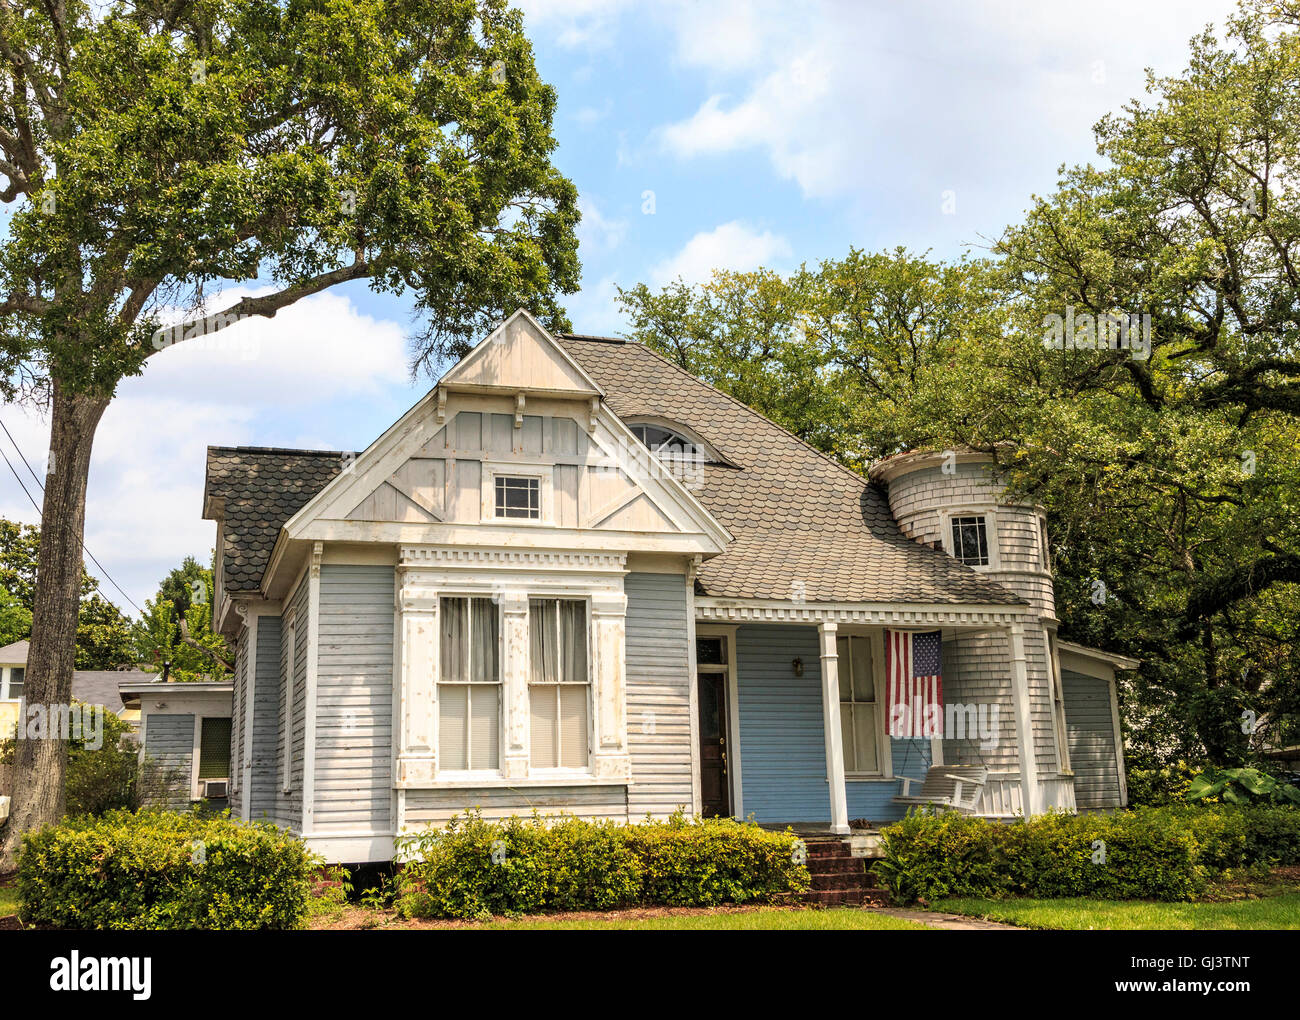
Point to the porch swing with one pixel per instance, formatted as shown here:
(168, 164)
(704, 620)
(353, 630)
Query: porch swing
(958, 787)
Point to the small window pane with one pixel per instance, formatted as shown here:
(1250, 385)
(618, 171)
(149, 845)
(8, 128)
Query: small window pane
(518, 497)
(970, 541)
(453, 710)
(711, 651)
(543, 638)
(845, 666)
(864, 727)
(544, 709)
(484, 649)
(484, 728)
(863, 687)
(454, 639)
(573, 726)
(573, 641)
(16, 677)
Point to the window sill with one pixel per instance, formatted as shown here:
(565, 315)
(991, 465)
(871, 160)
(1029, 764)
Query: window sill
(870, 779)
(460, 781)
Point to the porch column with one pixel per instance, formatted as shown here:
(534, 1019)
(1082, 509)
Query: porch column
(831, 724)
(1024, 728)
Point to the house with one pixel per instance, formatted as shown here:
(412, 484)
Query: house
(89, 686)
(185, 728)
(508, 601)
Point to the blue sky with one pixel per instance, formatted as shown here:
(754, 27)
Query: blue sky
(699, 135)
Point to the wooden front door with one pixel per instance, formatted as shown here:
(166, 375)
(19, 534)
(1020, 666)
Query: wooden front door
(715, 784)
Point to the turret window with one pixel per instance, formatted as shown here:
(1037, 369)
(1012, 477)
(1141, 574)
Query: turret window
(970, 540)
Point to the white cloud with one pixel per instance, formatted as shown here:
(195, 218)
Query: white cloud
(321, 360)
(831, 91)
(595, 231)
(732, 245)
(575, 24)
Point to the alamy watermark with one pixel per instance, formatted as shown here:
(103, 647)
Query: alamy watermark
(1118, 331)
(62, 722)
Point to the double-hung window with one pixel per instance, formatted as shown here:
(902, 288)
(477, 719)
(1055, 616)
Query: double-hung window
(469, 684)
(858, 719)
(970, 540)
(559, 683)
(17, 674)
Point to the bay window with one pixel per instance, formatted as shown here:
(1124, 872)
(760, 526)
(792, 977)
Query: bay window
(469, 684)
(559, 683)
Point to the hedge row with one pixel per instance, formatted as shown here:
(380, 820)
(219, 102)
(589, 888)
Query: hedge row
(473, 868)
(163, 870)
(1167, 853)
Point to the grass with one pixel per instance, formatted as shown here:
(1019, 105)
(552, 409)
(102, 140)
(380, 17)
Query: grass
(1271, 913)
(8, 900)
(848, 919)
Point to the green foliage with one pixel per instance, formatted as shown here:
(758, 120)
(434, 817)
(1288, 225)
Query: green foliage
(1160, 785)
(475, 868)
(186, 593)
(103, 632)
(1148, 853)
(1241, 786)
(164, 871)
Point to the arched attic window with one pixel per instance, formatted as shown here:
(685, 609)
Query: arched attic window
(679, 449)
(659, 437)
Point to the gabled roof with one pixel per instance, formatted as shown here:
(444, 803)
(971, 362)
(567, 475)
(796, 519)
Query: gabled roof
(260, 488)
(805, 526)
(14, 653)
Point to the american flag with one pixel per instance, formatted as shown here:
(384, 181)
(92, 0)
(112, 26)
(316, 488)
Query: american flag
(914, 680)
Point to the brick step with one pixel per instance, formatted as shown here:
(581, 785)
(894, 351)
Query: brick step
(834, 897)
(836, 866)
(818, 853)
(824, 882)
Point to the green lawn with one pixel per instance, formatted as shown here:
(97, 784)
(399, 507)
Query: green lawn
(8, 900)
(848, 919)
(1274, 912)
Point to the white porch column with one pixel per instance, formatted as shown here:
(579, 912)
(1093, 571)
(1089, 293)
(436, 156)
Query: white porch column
(417, 760)
(514, 684)
(1024, 729)
(831, 725)
(608, 621)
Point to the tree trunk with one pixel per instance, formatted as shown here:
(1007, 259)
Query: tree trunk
(40, 763)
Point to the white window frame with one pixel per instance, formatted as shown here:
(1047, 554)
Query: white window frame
(545, 475)
(563, 771)
(884, 749)
(289, 633)
(6, 676)
(990, 515)
(470, 773)
(727, 632)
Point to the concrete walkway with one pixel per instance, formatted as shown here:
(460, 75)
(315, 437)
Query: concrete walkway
(952, 922)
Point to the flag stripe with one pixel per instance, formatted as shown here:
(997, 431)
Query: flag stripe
(915, 702)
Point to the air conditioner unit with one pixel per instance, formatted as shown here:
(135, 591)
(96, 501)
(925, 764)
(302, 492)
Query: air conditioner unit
(215, 787)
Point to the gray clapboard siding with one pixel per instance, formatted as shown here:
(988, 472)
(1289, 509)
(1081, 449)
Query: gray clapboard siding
(658, 694)
(291, 718)
(239, 698)
(266, 709)
(436, 807)
(354, 700)
(782, 748)
(1090, 729)
(169, 741)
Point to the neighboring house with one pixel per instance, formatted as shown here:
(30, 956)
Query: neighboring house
(508, 602)
(89, 686)
(185, 729)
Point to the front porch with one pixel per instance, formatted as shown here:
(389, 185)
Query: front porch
(793, 729)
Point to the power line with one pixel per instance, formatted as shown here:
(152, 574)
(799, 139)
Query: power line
(36, 478)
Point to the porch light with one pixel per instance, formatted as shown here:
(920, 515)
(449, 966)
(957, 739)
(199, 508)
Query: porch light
(797, 666)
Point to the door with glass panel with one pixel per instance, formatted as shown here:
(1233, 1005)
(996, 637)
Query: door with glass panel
(711, 678)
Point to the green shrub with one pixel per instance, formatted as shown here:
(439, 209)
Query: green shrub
(163, 870)
(474, 868)
(1165, 853)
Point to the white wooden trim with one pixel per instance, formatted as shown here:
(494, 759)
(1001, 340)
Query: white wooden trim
(735, 772)
(545, 475)
(831, 728)
(889, 614)
(693, 691)
(309, 704)
(245, 766)
(989, 511)
(194, 757)
(1119, 742)
(1024, 726)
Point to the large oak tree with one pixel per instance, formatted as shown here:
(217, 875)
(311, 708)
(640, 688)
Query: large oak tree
(157, 150)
